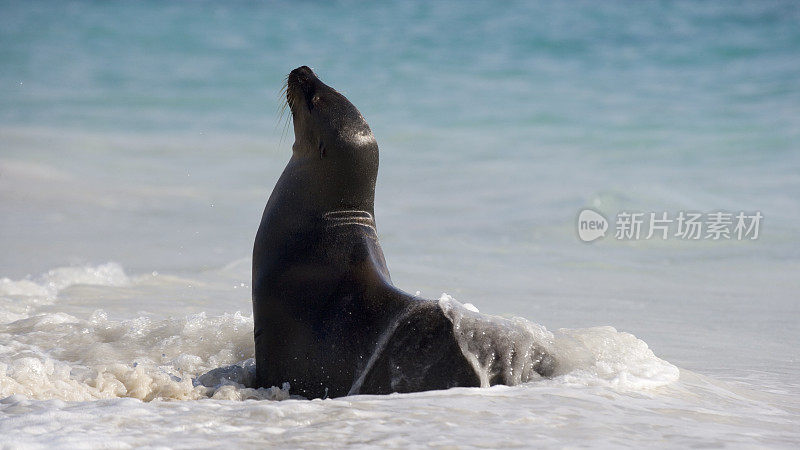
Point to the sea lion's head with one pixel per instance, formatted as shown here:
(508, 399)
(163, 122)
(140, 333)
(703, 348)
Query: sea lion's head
(332, 137)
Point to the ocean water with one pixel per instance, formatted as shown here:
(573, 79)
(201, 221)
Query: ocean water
(139, 142)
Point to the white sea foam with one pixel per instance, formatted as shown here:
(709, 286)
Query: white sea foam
(515, 349)
(55, 355)
(606, 357)
(60, 356)
(46, 355)
(18, 298)
(71, 379)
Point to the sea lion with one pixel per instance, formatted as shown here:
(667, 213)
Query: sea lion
(327, 318)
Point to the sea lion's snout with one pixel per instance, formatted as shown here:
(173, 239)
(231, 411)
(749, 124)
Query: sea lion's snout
(301, 75)
(301, 85)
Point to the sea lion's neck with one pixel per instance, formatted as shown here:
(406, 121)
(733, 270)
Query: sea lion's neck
(320, 187)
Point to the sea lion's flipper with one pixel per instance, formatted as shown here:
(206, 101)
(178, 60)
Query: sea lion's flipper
(417, 352)
(441, 344)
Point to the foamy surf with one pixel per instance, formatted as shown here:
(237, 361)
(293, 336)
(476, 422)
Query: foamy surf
(55, 355)
(599, 356)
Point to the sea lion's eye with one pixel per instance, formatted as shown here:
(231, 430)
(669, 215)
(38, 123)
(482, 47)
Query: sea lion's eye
(312, 101)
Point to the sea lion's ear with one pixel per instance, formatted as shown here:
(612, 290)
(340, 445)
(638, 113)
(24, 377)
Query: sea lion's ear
(321, 149)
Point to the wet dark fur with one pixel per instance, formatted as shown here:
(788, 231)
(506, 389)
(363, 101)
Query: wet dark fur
(327, 318)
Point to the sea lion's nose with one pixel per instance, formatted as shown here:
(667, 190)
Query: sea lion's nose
(302, 74)
(304, 70)
(303, 78)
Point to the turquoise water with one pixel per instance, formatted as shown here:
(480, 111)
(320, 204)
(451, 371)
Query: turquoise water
(655, 77)
(149, 134)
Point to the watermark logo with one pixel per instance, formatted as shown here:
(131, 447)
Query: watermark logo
(685, 225)
(591, 225)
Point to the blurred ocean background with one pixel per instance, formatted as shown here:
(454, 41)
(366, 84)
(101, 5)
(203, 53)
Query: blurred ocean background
(139, 142)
